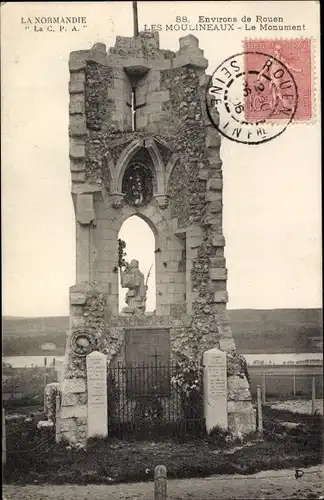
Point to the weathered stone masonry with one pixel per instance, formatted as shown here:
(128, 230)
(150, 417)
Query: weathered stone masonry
(175, 135)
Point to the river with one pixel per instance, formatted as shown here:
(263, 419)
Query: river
(252, 359)
(29, 361)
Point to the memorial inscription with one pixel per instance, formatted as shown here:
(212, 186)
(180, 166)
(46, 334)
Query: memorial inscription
(142, 345)
(217, 379)
(215, 389)
(97, 394)
(147, 359)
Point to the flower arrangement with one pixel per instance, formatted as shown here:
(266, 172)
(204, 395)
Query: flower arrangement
(44, 424)
(121, 254)
(237, 365)
(187, 379)
(75, 446)
(111, 344)
(187, 375)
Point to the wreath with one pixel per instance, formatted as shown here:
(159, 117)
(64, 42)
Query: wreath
(83, 343)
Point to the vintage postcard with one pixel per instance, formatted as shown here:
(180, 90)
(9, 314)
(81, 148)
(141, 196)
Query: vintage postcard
(161, 187)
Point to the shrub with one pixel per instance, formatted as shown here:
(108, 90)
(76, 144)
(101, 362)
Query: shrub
(29, 382)
(219, 436)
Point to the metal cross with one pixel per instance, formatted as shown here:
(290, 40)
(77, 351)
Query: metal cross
(135, 19)
(155, 356)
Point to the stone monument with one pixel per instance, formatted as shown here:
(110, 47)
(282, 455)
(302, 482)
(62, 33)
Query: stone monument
(215, 389)
(133, 279)
(96, 365)
(141, 143)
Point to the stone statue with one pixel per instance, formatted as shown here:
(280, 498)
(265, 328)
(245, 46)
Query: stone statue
(133, 279)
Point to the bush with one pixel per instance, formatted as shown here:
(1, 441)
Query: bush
(28, 382)
(219, 436)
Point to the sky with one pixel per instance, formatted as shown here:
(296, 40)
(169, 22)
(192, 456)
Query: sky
(272, 194)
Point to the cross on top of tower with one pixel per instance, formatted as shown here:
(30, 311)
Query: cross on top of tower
(135, 19)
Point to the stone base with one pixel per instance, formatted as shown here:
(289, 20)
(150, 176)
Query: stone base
(51, 390)
(73, 414)
(74, 430)
(128, 310)
(241, 418)
(242, 423)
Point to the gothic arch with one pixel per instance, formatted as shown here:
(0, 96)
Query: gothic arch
(129, 152)
(169, 168)
(128, 211)
(110, 166)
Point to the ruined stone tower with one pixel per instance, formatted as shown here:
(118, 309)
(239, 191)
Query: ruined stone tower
(141, 107)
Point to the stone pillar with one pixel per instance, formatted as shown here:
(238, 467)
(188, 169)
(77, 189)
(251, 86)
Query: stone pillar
(51, 390)
(97, 394)
(194, 239)
(215, 389)
(73, 415)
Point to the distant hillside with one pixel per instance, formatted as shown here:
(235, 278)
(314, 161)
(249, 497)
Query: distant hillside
(276, 330)
(34, 326)
(255, 331)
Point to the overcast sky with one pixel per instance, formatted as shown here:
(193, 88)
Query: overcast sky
(271, 192)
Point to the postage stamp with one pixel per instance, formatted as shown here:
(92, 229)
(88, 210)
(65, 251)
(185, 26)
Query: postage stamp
(270, 94)
(238, 97)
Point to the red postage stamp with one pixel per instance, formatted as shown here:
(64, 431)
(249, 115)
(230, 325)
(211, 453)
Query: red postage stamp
(281, 85)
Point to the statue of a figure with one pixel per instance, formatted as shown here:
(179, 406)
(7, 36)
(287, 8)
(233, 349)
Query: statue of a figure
(133, 279)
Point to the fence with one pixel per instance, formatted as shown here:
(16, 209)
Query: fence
(286, 386)
(261, 400)
(261, 392)
(148, 398)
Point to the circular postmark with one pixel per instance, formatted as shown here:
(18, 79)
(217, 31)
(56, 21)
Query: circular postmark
(83, 342)
(251, 98)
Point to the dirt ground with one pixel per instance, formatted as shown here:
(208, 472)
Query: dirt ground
(264, 485)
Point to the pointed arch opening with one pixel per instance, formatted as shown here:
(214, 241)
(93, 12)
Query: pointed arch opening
(144, 150)
(140, 245)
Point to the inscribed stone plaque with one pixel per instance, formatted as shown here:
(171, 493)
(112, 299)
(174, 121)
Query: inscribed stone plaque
(147, 361)
(97, 394)
(215, 389)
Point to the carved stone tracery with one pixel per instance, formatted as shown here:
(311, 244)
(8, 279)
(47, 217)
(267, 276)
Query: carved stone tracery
(153, 168)
(137, 184)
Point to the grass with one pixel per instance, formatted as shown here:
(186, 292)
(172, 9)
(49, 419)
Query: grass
(33, 456)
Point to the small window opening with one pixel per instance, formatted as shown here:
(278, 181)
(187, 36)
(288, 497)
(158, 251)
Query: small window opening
(133, 110)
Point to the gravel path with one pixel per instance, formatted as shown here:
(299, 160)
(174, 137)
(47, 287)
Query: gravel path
(264, 485)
